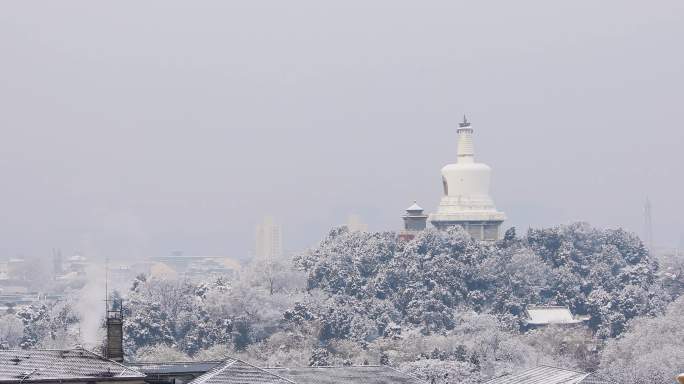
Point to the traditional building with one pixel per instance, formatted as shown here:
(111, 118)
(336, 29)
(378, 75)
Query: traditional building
(540, 316)
(414, 221)
(466, 201)
(193, 267)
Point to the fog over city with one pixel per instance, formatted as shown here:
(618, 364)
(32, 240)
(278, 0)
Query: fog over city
(136, 129)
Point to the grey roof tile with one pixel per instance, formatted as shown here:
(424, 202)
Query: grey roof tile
(157, 368)
(43, 365)
(360, 374)
(547, 375)
(234, 371)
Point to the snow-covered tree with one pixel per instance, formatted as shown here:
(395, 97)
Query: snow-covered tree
(651, 350)
(11, 331)
(607, 274)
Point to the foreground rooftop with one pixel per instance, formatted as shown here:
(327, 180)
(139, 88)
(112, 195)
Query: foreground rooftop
(359, 374)
(548, 375)
(234, 371)
(46, 365)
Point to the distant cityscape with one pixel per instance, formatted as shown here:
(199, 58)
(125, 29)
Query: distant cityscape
(465, 202)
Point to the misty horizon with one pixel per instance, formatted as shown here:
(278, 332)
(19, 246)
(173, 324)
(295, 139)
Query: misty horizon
(178, 127)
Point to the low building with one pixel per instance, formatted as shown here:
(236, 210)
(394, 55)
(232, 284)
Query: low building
(541, 316)
(359, 374)
(548, 375)
(173, 372)
(239, 372)
(236, 371)
(195, 267)
(63, 366)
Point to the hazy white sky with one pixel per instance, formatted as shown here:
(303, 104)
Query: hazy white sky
(135, 128)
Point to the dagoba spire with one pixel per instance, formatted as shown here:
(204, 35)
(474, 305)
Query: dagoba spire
(465, 122)
(466, 152)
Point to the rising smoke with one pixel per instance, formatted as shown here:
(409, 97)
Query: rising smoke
(91, 307)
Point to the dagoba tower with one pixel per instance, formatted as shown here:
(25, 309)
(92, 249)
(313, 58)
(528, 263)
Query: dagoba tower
(466, 201)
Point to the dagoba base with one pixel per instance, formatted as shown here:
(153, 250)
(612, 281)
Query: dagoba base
(479, 230)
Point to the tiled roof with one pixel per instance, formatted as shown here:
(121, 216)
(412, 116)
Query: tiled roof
(45, 365)
(414, 207)
(361, 374)
(174, 367)
(234, 371)
(547, 375)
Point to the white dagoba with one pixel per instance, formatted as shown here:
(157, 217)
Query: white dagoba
(466, 201)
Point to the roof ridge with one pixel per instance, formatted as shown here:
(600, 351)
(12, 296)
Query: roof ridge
(216, 370)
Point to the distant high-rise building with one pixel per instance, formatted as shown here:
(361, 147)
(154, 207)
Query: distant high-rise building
(466, 201)
(354, 224)
(269, 240)
(57, 263)
(648, 225)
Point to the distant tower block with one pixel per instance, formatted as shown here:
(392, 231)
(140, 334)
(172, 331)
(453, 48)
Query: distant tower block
(648, 225)
(269, 240)
(414, 222)
(466, 201)
(354, 224)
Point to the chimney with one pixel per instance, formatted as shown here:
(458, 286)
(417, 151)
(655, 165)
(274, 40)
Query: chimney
(114, 347)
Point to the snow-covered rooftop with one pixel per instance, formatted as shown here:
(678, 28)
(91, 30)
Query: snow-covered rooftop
(365, 374)
(233, 371)
(547, 375)
(537, 315)
(70, 365)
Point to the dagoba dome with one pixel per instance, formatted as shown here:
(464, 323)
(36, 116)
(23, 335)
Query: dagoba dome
(466, 200)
